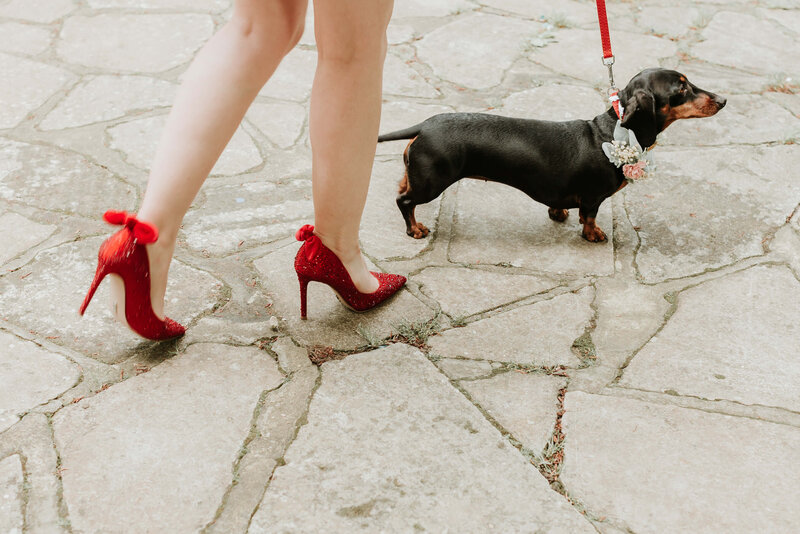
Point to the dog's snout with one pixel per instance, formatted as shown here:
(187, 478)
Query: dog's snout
(720, 101)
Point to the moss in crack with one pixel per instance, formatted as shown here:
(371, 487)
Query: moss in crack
(458, 321)
(415, 334)
(550, 460)
(551, 370)
(584, 349)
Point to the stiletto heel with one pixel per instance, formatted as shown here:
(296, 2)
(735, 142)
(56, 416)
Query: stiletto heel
(98, 277)
(124, 255)
(303, 293)
(317, 263)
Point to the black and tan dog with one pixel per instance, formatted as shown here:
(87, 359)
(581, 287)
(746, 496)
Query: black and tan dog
(560, 164)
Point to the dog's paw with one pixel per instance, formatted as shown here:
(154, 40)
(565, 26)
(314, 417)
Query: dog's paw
(419, 231)
(594, 234)
(558, 215)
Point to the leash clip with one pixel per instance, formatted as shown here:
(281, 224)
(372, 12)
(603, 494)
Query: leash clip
(609, 62)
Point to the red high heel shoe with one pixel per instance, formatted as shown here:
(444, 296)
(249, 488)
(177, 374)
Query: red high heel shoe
(317, 263)
(124, 255)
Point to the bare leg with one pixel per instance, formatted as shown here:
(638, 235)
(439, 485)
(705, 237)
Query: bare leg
(345, 116)
(219, 86)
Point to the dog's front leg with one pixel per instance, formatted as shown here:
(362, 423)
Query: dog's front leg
(591, 232)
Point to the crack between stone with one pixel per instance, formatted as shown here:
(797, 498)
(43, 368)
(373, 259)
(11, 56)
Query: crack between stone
(252, 434)
(25, 490)
(672, 298)
(63, 508)
(667, 396)
(736, 266)
(638, 246)
(301, 422)
(535, 459)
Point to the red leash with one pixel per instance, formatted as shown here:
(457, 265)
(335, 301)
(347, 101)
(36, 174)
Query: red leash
(608, 56)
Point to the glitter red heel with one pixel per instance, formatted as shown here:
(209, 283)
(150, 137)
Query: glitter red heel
(124, 255)
(317, 263)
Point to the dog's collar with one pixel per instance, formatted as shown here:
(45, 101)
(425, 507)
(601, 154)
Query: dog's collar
(626, 152)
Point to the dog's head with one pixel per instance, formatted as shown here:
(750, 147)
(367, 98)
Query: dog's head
(655, 98)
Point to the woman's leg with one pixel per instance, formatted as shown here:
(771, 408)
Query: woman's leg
(218, 87)
(345, 116)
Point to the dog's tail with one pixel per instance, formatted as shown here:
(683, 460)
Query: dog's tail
(408, 133)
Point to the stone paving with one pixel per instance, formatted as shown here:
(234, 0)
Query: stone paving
(525, 381)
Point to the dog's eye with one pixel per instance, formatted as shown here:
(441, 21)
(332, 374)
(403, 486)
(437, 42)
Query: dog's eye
(684, 89)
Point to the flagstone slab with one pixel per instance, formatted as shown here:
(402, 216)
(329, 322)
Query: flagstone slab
(673, 21)
(385, 410)
(25, 86)
(180, 425)
(293, 78)
(133, 43)
(30, 376)
(400, 33)
(460, 369)
(383, 229)
(722, 79)
(11, 494)
(786, 18)
(790, 102)
(107, 97)
(43, 11)
(54, 179)
(464, 292)
(281, 122)
(329, 323)
(18, 234)
(538, 334)
(554, 102)
(567, 11)
(706, 208)
(749, 43)
(213, 6)
(661, 468)
(138, 140)
(24, 38)
(746, 119)
(399, 78)
(475, 50)
(431, 8)
(634, 52)
(497, 224)
(46, 300)
(525, 405)
(733, 338)
(236, 217)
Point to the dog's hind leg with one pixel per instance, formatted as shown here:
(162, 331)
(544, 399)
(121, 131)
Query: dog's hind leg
(407, 206)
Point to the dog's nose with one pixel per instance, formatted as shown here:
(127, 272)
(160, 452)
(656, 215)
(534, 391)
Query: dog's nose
(721, 101)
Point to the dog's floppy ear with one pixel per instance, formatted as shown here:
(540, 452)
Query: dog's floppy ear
(640, 116)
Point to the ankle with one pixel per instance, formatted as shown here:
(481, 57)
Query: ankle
(348, 251)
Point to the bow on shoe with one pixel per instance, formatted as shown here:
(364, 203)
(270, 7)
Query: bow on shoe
(142, 231)
(306, 233)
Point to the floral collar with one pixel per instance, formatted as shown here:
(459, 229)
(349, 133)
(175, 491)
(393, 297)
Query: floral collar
(626, 152)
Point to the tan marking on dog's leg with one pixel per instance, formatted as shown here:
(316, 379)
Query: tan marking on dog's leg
(404, 186)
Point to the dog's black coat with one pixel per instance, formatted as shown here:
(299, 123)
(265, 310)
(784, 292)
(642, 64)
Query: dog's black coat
(560, 164)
